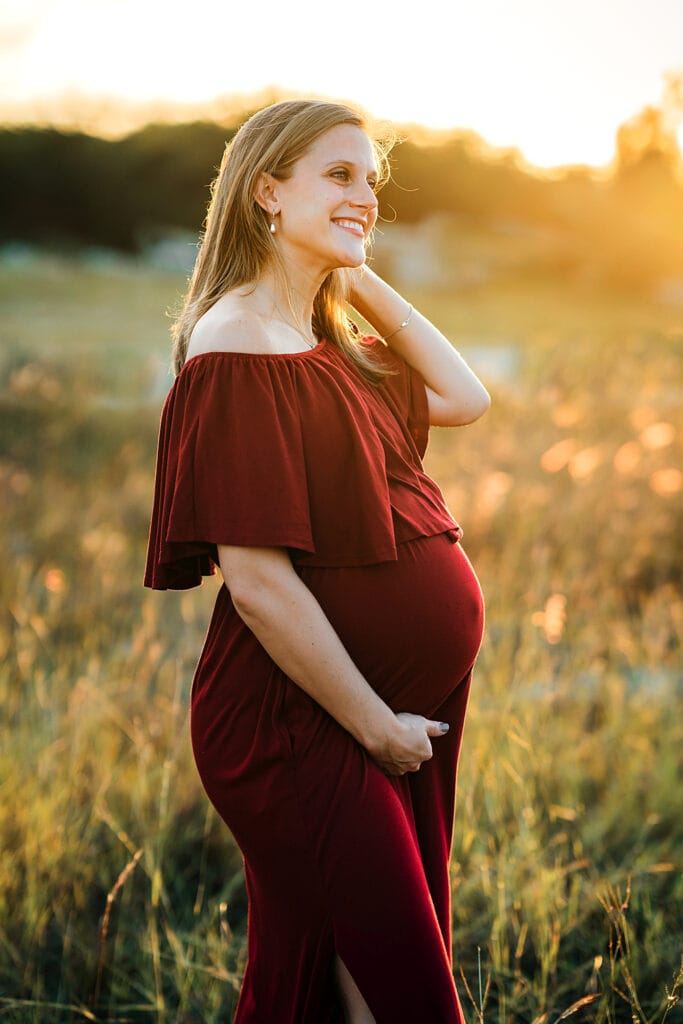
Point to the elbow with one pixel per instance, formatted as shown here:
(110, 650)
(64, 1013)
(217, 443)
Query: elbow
(261, 592)
(478, 402)
(480, 405)
(470, 410)
(256, 578)
(250, 599)
(458, 409)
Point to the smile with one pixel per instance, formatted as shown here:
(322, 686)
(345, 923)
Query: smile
(354, 226)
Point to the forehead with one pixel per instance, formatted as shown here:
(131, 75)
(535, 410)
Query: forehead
(344, 142)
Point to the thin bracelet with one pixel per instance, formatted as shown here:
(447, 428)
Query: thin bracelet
(401, 325)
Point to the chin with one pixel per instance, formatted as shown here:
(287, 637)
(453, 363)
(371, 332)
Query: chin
(345, 260)
(352, 260)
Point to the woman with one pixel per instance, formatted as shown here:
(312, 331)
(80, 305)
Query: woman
(328, 703)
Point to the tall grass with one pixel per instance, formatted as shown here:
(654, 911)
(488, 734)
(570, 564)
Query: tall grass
(121, 894)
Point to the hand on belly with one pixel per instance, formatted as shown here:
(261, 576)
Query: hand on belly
(410, 746)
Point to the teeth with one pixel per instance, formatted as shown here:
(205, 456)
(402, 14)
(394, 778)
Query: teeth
(353, 224)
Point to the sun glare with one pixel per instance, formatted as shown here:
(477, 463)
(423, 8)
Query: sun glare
(515, 74)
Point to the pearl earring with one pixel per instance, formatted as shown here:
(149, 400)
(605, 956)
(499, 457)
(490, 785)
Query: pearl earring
(273, 229)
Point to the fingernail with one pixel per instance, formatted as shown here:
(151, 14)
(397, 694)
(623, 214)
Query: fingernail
(444, 726)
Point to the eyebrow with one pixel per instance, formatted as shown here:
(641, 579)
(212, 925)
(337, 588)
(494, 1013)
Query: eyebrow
(349, 163)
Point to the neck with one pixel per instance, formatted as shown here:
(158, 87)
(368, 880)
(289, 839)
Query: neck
(294, 300)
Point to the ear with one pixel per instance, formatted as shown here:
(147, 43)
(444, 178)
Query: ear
(266, 192)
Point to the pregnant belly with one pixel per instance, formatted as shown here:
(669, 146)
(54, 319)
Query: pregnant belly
(413, 627)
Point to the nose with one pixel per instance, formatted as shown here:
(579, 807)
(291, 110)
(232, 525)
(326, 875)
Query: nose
(365, 197)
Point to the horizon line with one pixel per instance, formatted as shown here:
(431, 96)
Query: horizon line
(115, 117)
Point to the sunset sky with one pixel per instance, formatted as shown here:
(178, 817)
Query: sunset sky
(551, 77)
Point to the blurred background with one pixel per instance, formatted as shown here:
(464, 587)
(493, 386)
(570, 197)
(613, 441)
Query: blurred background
(536, 215)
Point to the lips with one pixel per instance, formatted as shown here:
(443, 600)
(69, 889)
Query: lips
(354, 226)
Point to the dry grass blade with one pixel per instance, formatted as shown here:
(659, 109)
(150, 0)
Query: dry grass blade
(479, 1007)
(468, 990)
(584, 1001)
(226, 930)
(8, 1005)
(111, 897)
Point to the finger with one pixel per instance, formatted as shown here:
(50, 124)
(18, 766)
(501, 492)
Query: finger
(437, 728)
(400, 768)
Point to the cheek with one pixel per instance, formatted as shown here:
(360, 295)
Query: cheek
(315, 212)
(303, 222)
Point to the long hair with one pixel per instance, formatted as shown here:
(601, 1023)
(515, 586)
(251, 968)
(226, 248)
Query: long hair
(237, 244)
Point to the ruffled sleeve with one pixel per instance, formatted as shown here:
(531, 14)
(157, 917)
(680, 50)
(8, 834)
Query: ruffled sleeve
(295, 450)
(230, 470)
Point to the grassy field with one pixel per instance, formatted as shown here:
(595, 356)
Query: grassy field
(121, 894)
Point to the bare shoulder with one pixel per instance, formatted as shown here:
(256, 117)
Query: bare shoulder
(228, 329)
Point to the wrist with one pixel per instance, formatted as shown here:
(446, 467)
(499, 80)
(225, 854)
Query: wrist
(362, 287)
(404, 323)
(379, 304)
(378, 730)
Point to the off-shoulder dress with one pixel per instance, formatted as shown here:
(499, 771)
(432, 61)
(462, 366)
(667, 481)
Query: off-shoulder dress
(300, 451)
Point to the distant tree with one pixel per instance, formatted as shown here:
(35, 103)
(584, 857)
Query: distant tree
(71, 189)
(460, 175)
(651, 135)
(165, 171)
(56, 187)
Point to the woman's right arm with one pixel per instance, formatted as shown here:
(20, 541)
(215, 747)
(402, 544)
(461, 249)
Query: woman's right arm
(289, 623)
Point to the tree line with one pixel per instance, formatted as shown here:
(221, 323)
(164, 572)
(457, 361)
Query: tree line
(71, 189)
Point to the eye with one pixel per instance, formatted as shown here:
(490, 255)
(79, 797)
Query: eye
(373, 183)
(341, 173)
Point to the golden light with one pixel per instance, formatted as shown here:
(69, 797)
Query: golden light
(558, 455)
(553, 618)
(642, 416)
(104, 52)
(658, 435)
(584, 463)
(54, 581)
(566, 415)
(563, 813)
(627, 457)
(493, 490)
(667, 481)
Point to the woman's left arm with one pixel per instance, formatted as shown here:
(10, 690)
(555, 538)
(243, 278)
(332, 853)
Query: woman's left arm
(455, 395)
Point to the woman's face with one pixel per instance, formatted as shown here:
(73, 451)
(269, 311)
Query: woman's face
(328, 206)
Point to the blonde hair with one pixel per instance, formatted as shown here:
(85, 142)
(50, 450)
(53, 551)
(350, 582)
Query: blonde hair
(237, 244)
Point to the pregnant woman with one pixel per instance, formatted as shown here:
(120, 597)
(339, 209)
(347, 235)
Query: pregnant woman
(328, 703)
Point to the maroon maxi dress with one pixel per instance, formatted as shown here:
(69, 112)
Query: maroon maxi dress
(299, 451)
